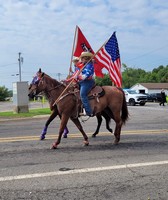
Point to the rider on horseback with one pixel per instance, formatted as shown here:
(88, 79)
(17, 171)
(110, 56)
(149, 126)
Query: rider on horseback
(86, 81)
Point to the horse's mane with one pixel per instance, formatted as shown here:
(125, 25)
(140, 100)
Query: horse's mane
(54, 81)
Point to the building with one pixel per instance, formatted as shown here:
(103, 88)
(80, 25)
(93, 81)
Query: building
(149, 88)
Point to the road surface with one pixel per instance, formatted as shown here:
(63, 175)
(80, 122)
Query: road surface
(137, 168)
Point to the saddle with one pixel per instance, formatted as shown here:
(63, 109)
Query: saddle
(96, 92)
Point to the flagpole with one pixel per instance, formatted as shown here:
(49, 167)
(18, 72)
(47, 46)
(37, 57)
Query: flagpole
(70, 68)
(57, 100)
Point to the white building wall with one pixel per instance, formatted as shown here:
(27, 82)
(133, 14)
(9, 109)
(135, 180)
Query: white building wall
(139, 87)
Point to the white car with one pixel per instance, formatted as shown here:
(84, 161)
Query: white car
(133, 98)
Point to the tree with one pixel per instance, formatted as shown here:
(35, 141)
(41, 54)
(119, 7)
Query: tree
(4, 93)
(131, 76)
(103, 81)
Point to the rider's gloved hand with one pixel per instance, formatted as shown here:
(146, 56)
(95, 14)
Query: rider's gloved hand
(81, 77)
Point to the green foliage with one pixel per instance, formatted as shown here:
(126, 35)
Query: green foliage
(103, 81)
(131, 76)
(4, 93)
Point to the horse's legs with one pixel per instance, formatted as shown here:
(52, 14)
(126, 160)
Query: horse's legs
(99, 121)
(65, 133)
(64, 120)
(117, 130)
(115, 113)
(50, 119)
(108, 119)
(79, 126)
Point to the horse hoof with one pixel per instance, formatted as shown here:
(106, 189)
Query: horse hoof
(66, 132)
(42, 137)
(93, 136)
(111, 130)
(65, 136)
(116, 142)
(54, 146)
(86, 143)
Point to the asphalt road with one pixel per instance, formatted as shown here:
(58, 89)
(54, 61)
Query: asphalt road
(137, 168)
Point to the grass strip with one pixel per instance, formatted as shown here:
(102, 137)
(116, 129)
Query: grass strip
(31, 113)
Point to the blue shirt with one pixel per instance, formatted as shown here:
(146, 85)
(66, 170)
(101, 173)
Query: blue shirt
(88, 71)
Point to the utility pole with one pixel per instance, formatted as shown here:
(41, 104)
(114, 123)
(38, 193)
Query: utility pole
(59, 76)
(20, 59)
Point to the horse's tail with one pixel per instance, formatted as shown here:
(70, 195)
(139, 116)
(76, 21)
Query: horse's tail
(125, 113)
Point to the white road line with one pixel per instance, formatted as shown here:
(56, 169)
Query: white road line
(85, 170)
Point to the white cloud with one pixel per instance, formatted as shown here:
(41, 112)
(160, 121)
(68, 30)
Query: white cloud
(43, 31)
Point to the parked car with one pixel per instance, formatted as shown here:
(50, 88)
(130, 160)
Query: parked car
(133, 98)
(155, 97)
(150, 98)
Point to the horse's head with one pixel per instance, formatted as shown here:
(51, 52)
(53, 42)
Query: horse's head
(36, 87)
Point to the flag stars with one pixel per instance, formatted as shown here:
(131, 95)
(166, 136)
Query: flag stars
(112, 48)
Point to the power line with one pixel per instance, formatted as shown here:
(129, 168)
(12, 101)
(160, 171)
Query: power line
(145, 54)
(8, 65)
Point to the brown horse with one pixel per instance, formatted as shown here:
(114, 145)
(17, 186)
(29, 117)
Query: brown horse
(113, 103)
(54, 113)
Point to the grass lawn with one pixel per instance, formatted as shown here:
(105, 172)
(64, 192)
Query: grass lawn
(31, 113)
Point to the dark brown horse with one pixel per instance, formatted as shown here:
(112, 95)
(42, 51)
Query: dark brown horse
(113, 103)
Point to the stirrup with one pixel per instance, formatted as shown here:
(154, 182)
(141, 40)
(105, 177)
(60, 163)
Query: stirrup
(83, 113)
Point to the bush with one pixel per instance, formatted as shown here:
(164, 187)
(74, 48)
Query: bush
(4, 93)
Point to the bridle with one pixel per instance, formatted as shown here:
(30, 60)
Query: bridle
(46, 91)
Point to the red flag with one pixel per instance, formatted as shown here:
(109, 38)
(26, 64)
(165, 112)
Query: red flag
(81, 44)
(109, 57)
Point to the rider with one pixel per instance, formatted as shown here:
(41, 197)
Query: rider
(86, 80)
(75, 61)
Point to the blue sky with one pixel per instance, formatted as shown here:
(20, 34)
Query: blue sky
(43, 31)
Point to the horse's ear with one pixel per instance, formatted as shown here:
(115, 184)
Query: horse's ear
(40, 75)
(39, 70)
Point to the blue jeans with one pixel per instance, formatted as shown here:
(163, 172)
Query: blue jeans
(85, 87)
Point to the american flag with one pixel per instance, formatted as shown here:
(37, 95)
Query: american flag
(109, 57)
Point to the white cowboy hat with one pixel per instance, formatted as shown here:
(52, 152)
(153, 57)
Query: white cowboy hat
(75, 59)
(86, 54)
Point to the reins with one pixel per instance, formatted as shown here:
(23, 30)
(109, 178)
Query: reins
(49, 96)
(48, 91)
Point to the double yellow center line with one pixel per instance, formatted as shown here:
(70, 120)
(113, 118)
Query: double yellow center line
(78, 135)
